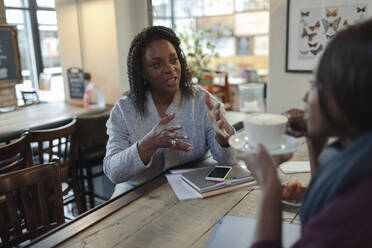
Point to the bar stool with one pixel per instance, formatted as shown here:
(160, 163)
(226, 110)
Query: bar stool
(60, 142)
(91, 149)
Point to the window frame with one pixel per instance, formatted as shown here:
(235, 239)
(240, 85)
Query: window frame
(35, 33)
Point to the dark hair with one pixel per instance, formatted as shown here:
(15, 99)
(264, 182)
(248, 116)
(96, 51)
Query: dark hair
(345, 72)
(134, 63)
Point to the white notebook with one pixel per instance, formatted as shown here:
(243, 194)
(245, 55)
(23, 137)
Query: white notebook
(295, 167)
(233, 231)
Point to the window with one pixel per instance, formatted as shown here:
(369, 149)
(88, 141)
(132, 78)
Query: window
(238, 29)
(162, 12)
(244, 46)
(36, 22)
(247, 5)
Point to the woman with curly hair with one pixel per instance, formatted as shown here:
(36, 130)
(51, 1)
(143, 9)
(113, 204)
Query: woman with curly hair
(164, 121)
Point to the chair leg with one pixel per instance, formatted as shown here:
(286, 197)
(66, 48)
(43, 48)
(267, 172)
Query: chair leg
(77, 194)
(81, 179)
(90, 186)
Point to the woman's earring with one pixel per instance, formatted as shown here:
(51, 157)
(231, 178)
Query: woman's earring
(145, 82)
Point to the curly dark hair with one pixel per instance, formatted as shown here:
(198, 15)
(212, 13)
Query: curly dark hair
(134, 63)
(345, 72)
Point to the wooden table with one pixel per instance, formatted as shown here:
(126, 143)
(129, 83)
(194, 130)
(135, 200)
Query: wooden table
(42, 115)
(152, 216)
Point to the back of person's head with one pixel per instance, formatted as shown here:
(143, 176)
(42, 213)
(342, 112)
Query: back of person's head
(134, 62)
(345, 73)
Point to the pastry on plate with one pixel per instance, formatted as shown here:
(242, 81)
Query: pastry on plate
(292, 191)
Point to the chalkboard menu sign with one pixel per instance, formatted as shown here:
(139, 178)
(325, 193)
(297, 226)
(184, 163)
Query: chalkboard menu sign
(76, 82)
(10, 67)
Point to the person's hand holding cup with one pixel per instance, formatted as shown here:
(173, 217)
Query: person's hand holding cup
(296, 122)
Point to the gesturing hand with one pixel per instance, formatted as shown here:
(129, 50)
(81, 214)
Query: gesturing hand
(163, 136)
(220, 125)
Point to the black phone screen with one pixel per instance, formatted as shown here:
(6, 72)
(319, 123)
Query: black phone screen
(218, 172)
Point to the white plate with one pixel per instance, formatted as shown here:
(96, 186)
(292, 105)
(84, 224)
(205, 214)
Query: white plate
(239, 142)
(292, 203)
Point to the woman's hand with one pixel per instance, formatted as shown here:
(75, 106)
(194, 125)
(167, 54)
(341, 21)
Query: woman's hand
(220, 125)
(262, 166)
(297, 126)
(163, 136)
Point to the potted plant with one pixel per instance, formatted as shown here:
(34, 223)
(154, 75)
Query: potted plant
(199, 50)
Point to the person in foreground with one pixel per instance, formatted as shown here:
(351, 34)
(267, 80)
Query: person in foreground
(164, 121)
(336, 209)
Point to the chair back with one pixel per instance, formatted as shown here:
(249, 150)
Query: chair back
(30, 203)
(58, 141)
(91, 130)
(218, 85)
(15, 156)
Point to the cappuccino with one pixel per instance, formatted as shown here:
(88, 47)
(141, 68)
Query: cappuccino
(266, 129)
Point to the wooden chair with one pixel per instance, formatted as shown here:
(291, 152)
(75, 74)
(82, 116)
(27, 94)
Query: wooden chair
(91, 143)
(217, 83)
(31, 204)
(59, 142)
(15, 155)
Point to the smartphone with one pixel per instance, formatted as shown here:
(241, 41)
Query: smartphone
(218, 173)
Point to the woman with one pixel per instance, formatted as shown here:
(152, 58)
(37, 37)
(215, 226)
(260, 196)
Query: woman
(164, 121)
(335, 211)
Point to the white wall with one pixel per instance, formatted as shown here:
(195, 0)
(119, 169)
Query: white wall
(68, 35)
(95, 35)
(131, 18)
(285, 90)
(100, 48)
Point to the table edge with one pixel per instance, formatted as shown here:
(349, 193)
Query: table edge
(72, 228)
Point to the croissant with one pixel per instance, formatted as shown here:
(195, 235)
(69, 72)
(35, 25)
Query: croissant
(292, 190)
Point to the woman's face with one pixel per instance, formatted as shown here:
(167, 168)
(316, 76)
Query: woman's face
(161, 67)
(317, 124)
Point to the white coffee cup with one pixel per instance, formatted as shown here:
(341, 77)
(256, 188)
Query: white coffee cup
(266, 129)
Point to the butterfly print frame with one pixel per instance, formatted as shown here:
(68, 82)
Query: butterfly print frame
(312, 24)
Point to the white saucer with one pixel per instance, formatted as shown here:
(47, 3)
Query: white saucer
(239, 142)
(291, 203)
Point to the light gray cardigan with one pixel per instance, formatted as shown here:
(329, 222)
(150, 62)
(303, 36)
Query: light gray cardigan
(126, 126)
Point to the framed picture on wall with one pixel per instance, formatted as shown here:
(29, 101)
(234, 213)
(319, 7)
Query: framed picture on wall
(312, 24)
(10, 65)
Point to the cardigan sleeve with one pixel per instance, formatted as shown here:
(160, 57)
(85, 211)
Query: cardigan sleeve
(122, 159)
